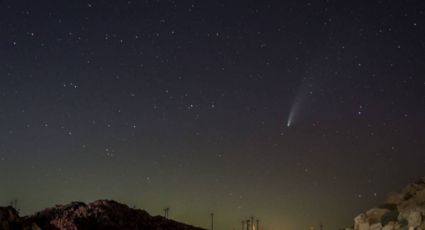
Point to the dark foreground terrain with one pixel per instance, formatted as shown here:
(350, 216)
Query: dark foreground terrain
(102, 214)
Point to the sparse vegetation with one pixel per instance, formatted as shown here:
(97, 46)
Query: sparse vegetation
(420, 181)
(391, 207)
(389, 216)
(403, 223)
(407, 196)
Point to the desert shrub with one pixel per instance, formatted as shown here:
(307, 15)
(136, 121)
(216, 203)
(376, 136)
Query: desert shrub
(407, 196)
(403, 223)
(389, 216)
(391, 207)
(420, 181)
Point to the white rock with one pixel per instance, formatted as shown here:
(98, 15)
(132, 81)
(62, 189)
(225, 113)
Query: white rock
(359, 219)
(364, 226)
(414, 219)
(377, 226)
(374, 215)
(389, 226)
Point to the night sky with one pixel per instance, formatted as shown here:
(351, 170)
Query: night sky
(297, 112)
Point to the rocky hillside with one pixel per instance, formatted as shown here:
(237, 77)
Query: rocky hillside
(401, 210)
(102, 214)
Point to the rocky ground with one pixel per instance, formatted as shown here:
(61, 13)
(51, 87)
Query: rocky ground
(102, 214)
(402, 210)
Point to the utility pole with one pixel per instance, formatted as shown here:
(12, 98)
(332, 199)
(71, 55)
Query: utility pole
(14, 204)
(212, 221)
(166, 212)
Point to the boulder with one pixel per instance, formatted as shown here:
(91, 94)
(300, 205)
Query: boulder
(375, 215)
(377, 226)
(364, 226)
(401, 211)
(359, 219)
(414, 219)
(390, 226)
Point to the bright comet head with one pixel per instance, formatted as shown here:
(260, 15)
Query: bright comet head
(288, 124)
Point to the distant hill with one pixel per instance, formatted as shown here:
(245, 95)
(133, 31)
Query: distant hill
(102, 214)
(401, 210)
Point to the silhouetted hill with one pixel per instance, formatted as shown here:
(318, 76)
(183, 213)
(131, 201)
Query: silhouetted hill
(102, 214)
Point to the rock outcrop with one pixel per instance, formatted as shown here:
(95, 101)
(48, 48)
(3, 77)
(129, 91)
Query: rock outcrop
(404, 210)
(102, 214)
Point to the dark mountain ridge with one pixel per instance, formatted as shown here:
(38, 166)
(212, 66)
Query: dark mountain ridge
(101, 214)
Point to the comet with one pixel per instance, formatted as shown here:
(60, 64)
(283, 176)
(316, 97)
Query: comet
(289, 122)
(296, 105)
(293, 112)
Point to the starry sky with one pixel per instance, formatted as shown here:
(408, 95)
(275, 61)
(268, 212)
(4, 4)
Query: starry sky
(297, 112)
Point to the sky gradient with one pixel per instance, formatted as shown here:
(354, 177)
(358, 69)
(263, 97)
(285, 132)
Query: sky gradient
(297, 112)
